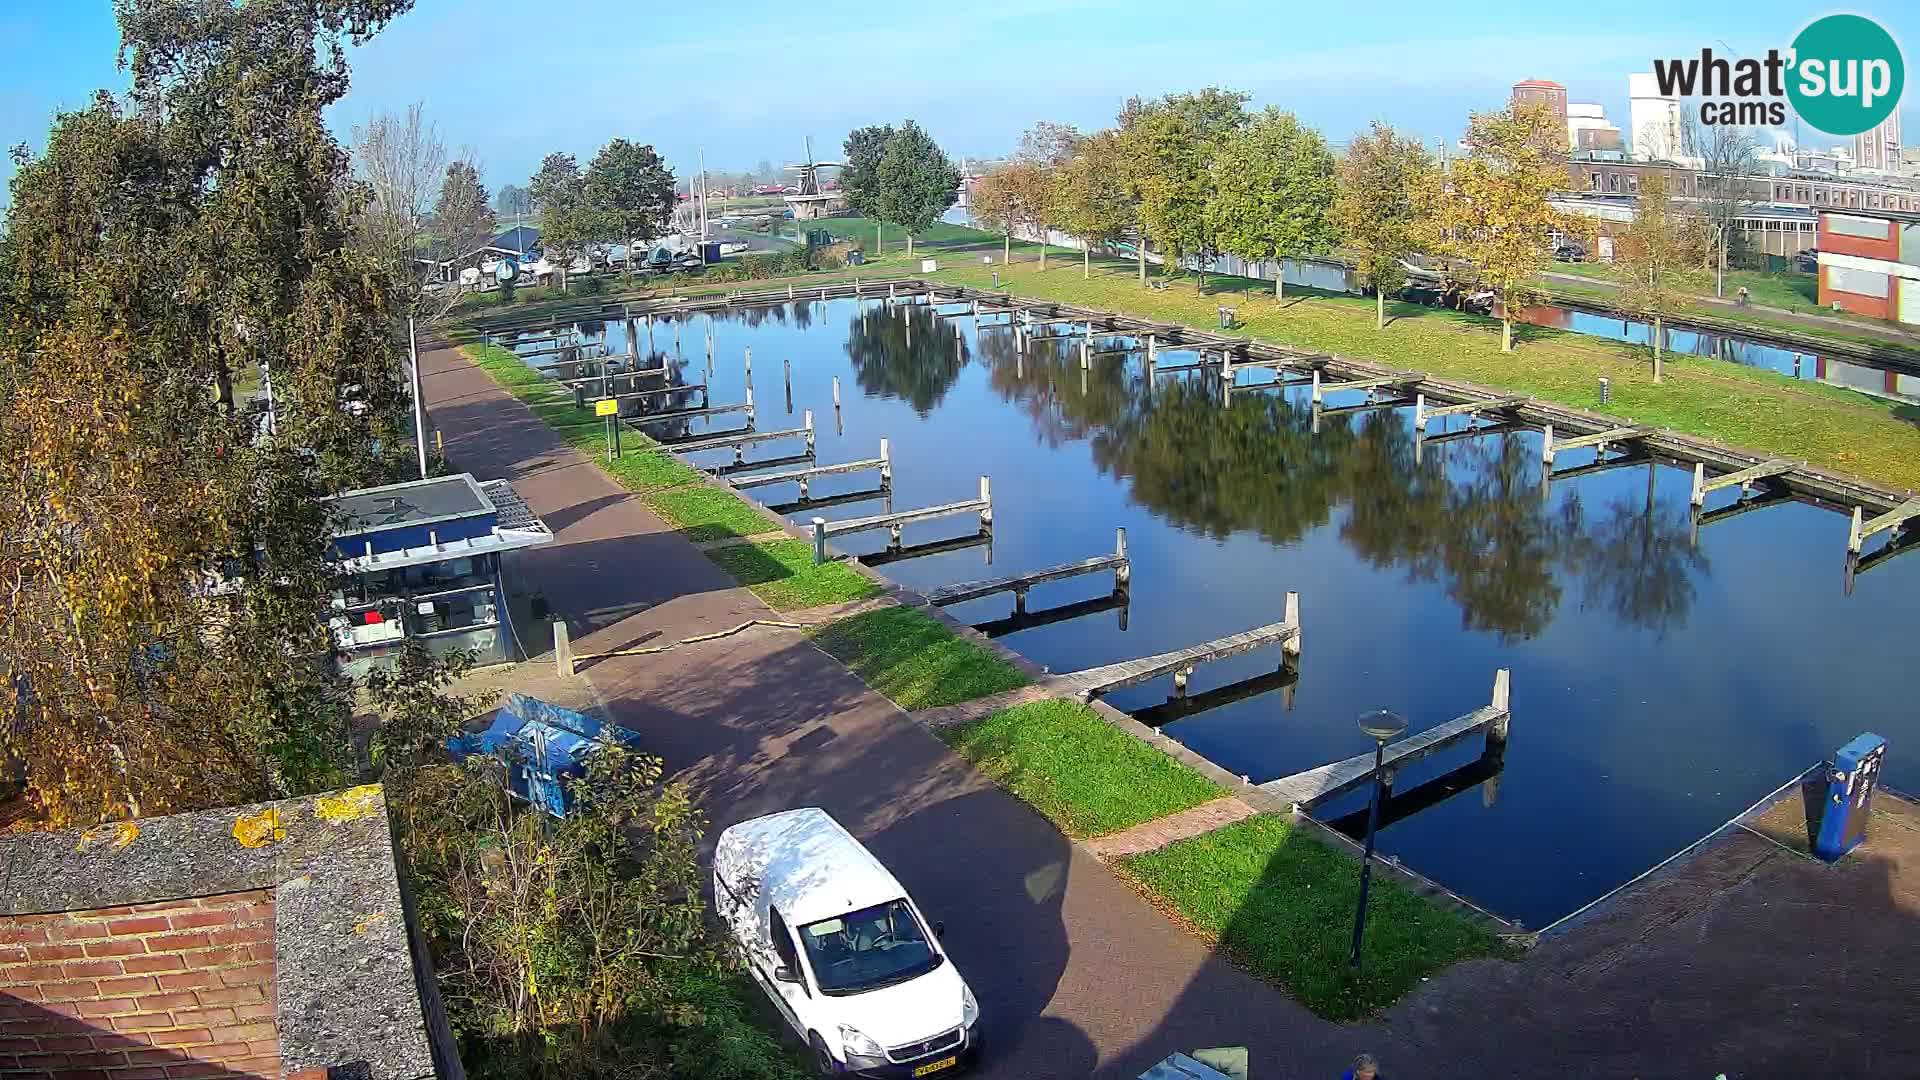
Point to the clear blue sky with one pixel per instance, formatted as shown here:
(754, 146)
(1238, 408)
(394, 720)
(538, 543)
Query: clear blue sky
(745, 80)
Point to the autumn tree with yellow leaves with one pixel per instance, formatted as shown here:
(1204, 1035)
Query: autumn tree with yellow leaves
(162, 546)
(1488, 215)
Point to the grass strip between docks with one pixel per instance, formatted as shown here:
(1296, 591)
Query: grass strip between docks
(1281, 904)
(914, 659)
(1087, 776)
(781, 573)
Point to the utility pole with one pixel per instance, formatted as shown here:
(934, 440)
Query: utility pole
(419, 402)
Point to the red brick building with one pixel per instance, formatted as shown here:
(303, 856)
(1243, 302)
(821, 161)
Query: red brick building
(261, 941)
(1870, 263)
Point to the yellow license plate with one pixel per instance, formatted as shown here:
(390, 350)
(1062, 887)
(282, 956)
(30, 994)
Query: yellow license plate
(936, 1066)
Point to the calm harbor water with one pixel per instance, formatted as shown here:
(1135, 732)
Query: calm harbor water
(1658, 687)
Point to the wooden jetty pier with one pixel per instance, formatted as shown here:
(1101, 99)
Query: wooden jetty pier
(1092, 682)
(893, 521)
(739, 441)
(1310, 788)
(804, 477)
(1020, 584)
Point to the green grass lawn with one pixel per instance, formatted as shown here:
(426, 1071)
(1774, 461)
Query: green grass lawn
(1282, 904)
(914, 659)
(1766, 412)
(1087, 776)
(703, 513)
(782, 573)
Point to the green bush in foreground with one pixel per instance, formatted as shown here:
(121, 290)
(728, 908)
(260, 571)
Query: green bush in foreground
(1087, 776)
(914, 659)
(782, 573)
(1282, 904)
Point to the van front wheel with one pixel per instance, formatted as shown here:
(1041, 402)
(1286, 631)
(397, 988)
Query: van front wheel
(823, 1062)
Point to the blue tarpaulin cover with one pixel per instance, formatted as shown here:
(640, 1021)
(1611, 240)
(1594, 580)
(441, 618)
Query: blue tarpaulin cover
(544, 745)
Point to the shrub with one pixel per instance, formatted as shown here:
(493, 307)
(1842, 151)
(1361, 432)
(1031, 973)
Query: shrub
(760, 264)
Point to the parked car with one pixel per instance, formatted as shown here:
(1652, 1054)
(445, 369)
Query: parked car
(1808, 261)
(841, 950)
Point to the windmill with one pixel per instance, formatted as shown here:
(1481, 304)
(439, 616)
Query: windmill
(811, 202)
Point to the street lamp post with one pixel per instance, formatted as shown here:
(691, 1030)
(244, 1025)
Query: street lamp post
(1382, 726)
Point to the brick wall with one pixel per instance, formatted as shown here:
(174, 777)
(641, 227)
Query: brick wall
(167, 991)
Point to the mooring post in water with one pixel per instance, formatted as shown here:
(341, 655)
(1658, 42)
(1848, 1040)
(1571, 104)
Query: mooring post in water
(562, 648)
(836, 393)
(789, 292)
(1419, 412)
(889, 290)
(986, 512)
(1226, 366)
(650, 349)
(808, 424)
(1546, 445)
(786, 365)
(1498, 726)
(1855, 541)
(823, 293)
(1123, 573)
(633, 335)
(1316, 386)
(856, 288)
(1086, 352)
(1290, 648)
(1699, 495)
(819, 540)
(749, 404)
(749, 363)
(886, 465)
(1153, 349)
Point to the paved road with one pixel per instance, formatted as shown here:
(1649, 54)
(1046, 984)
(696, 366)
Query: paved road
(1076, 975)
(1745, 964)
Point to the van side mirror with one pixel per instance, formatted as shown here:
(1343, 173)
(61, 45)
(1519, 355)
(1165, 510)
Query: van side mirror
(785, 974)
(939, 929)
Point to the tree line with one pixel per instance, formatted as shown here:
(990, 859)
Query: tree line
(1197, 175)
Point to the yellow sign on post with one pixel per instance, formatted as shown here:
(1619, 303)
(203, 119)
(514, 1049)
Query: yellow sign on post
(607, 407)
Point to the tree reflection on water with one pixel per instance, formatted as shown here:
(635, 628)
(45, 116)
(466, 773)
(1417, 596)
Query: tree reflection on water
(906, 353)
(1468, 515)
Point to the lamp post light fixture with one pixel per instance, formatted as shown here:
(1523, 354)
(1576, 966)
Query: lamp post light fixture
(1382, 726)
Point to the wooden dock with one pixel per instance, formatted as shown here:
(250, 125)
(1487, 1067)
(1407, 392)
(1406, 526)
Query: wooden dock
(1549, 448)
(1422, 412)
(692, 414)
(805, 477)
(1092, 682)
(1742, 479)
(1321, 389)
(1019, 584)
(657, 392)
(1895, 518)
(739, 442)
(893, 521)
(1308, 789)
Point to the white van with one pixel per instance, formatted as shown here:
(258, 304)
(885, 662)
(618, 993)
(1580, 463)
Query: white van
(841, 949)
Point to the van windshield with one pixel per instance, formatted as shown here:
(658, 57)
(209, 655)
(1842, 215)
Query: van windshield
(868, 949)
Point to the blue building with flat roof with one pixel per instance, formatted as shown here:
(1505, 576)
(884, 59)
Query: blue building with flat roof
(421, 561)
